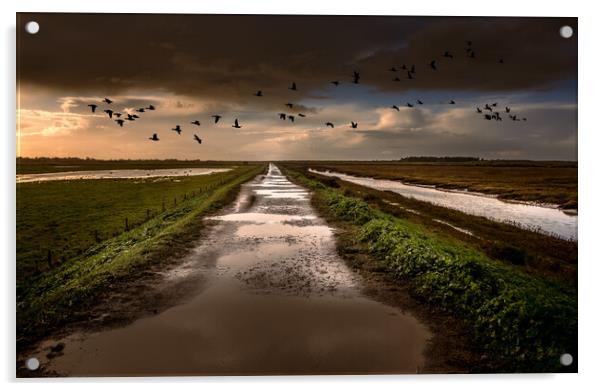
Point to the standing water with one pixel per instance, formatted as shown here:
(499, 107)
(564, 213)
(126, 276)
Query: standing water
(275, 298)
(549, 220)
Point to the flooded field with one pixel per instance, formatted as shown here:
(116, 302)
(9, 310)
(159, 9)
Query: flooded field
(270, 296)
(546, 219)
(116, 174)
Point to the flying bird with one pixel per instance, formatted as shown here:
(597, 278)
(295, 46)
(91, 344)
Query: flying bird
(154, 138)
(120, 122)
(196, 122)
(413, 69)
(301, 115)
(117, 115)
(292, 118)
(397, 79)
(93, 107)
(471, 54)
(236, 125)
(487, 107)
(177, 129)
(150, 107)
(130, 117)
(494, 104)
(479, 110)
(409, 104)
(356, 77)
(404, 67)
(140, 110)
(198, 139)
(329, 124)
(448, 55)
(434, 65)
(109, 112)
(354, 125)
(395, 107)
(469, 43)
(259, 93)
(293, 87)
(289, 105)
(335, 82)
(410, 75)
(419, 102)
(501, 61)
(282, 116)
(452, 102)
(216, 118)
(507, 109)
(107, 101)
(488, 117)
(393, 69)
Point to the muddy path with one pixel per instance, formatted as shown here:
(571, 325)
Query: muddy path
(263, 292)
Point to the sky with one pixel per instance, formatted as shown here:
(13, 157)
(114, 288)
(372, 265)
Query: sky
(193, 66)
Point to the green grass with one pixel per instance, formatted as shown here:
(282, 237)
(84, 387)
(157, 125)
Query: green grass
(545, 182)
(523, 321)
(47, 298)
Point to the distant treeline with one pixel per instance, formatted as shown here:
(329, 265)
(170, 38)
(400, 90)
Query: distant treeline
(88, 160)
(440, 159)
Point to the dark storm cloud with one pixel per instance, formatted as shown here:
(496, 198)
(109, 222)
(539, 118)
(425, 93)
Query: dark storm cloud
(232, 56)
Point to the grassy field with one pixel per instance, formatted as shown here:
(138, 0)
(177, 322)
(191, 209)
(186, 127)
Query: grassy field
(42, 165)
(545, 182)
(523, 321)
(82, 223)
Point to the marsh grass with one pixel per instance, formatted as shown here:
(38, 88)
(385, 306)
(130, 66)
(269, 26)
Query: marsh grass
(525, 322)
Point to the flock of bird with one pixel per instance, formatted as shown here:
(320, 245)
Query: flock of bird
(408, 70)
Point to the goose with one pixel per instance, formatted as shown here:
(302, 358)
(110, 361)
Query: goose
(198, 139)
(154, 138)
(236, 125)
(93, 107)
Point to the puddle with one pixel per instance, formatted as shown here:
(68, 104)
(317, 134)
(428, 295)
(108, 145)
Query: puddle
(278, 300)
(117, 174)
(548, 220)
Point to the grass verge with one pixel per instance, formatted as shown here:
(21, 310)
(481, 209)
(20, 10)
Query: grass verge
(525, 322)
(57, 296)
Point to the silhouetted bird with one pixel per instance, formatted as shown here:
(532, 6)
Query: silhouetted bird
(353, 125)
(335, 82)
(419, 102)
(150, 107)
(258, 93)
(196, 122)
(393, 69)
(135, 116)
(471, 54)
(216, 118)
(524, 119)
(434, 65)
(289, 105)
(501, 61)
(409, 104)
(107, 101)
(117, 115)
(109, 112)
(488, 117)
(395, 107)
(404, 67)
(451, 102)
(198, 139)
(496, 115)
(507, 109)
(479, 110)
(301, 115)
(291, 118)
(494, 104)
(282, 116)
(469, 43)
(410, 75)
(329, 124)
(120, 122)
(293, 87)
(140, 110)
(413, 69)
(154, 138)
(397, 79)
(356, 77)
(514, 117)
(93, 107)
(177, 129)
(448, 54)
(236, 125)
(487, 107)
(130, 117)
